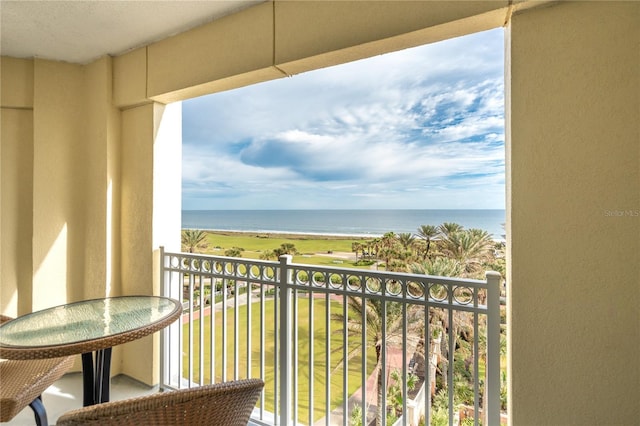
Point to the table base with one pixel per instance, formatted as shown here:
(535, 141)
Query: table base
(96, 379)
(39, 412)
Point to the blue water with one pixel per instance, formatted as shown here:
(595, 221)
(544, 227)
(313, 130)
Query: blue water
(367, 223)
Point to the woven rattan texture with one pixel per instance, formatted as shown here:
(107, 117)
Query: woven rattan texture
(23, 381)
(221, 404)
(57, 351)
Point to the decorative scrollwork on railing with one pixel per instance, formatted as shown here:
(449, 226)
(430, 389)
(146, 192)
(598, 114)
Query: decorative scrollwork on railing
(413, 288)
(393, 287)
(318, 279)
(438, 292)
(374, 285)
(354, 283)
(337, 281)
(463, 295)
(301, 278)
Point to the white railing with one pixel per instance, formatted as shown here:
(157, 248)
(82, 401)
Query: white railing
(286, 322)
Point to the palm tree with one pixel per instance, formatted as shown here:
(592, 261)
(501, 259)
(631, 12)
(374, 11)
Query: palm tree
(234, 252)
(406, 240)
(372, 310)
(470, 248)
(356, 247)
(268, 255)
(440, 266)
(439, 320)
(407, 252)
(395, 398)
(373, 247)
(448, 228)
(389, 249)
(285, 248)
(428, 233)
(193, 240)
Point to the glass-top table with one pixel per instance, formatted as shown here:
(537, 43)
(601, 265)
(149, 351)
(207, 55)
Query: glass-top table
(85, 327)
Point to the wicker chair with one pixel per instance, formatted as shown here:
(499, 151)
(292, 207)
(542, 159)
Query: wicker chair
(223, 404)
(22, 384)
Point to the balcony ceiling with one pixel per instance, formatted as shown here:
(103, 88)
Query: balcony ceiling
(81, 31)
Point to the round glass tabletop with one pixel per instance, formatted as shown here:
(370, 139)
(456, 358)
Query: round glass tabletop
(86, 326)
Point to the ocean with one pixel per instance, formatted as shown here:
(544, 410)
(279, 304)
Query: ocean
(361, 223)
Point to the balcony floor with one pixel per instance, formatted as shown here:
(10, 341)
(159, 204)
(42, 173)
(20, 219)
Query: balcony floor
(66, 394)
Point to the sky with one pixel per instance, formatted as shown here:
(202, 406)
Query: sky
(421, 128)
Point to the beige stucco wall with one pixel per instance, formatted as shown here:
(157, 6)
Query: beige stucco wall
(16, 183)
(58, 184)
(75, 155)
(573, 156)
(16, 85)
(150, 208)
(59, 164)
(287, 38)
(218, 51)
(574, 263)
(16, 166)
(60, 136)
(77, 192)
(317, 34)
(101, 199)
(137, 257)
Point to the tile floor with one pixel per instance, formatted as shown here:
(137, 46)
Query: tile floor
(66, 394)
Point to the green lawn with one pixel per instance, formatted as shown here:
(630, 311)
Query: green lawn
(265, 242)
(354, 377)
(308, 247)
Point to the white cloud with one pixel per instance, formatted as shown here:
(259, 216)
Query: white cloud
(420, 126)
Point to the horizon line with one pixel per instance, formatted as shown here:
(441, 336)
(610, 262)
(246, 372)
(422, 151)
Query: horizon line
(336, 209)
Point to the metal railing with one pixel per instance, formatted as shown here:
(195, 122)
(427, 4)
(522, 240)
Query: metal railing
(325, 339)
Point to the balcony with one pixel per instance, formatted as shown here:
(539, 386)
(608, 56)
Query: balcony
(276, 332)
(336, 346)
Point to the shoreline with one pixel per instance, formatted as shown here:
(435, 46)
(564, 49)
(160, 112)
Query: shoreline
(303, 235)
(291, 235)
(359, 224)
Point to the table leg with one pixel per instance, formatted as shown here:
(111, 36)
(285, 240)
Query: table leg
(96, 377)
(39, 412)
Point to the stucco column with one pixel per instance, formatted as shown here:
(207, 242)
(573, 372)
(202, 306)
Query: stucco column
(574, 214)
(151, 205)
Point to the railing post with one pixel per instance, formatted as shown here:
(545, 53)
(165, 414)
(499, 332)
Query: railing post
(492, 392)
(285, 338)
(164, 347)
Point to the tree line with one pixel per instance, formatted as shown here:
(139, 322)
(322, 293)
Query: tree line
(447, 250)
